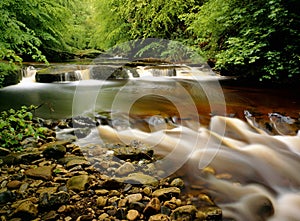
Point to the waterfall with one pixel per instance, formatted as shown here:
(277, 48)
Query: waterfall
(28, 74)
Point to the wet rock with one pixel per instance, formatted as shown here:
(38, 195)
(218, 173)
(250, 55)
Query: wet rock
(14, 184)
(23, 188)
(111, 184)
(186, 212)
(173, 203)
(77, 162)
(177, 182)
(132, 153)
(125, 169)
(4, 151)
(78, 183)
(82, 122)
(6, 196)
(132, 214)
(101, 201)
(166, 193)
(159, 217)
(104, 217)
(21, 157)
(209, 213)
(54, 151)
(43, 172)
(140, 178)
(53, 200)
(132, 198)
(139, 206)
(26, 210)
(152, 207)
(51, 216)
(147, 191)
(67, 159)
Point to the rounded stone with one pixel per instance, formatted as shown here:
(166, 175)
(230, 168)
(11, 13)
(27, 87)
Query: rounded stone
(132, 214)
(166, 193)
(134, 197)
(14, 184)
(55, 151)
(177, 182)
(125, 169)
(101, 201)
(78, 183)
(159, 217)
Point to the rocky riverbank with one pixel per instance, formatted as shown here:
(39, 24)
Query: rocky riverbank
(54, 179)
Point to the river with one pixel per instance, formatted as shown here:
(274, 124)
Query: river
(247, 135)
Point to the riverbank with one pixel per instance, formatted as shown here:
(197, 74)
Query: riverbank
(53, 179)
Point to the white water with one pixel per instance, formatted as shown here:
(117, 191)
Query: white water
(254, 171)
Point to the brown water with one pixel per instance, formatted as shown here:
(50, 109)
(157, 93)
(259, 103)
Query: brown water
(253, 169)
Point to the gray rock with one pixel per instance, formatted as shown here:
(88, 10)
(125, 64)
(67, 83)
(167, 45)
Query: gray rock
(125, 169)
(139, 178)
(53, 200)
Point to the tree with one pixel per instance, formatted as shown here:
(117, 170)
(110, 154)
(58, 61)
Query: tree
(123, 20)
(257, 39)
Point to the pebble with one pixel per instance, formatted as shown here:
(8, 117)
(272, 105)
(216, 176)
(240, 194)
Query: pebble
(166, 193)
(14, 184)
(152, 207)
(132, 214)
(101, 201)
(55, 182)
(159, 217)
(134, 197)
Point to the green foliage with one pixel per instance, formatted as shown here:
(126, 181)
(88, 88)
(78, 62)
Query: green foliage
(16, 125)
(257, 39)
(31, 28)
(9, 74)
(124, 20)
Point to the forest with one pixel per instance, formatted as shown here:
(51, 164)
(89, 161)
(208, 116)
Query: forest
(251, 39)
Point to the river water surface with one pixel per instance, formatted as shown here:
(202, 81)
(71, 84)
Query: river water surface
(247, 135)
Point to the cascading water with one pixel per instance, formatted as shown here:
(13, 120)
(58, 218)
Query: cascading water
(250, 174)
(256, 175)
